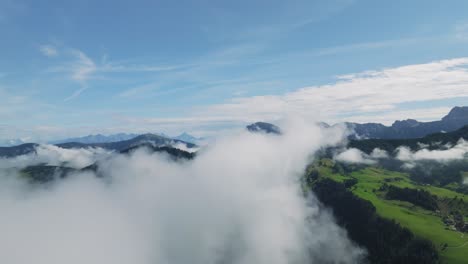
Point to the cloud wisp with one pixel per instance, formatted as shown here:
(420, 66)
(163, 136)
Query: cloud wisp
(82, 68)
(238, 202)
(48, 50)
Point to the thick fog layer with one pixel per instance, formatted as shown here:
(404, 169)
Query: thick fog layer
(239, 201)
(55, 156)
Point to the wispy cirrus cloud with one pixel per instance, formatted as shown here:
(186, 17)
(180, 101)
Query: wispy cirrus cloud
(48, 50)
(366, 96)
(363, 46)
(371, 96)
(461, 31)
(203, 73)
(368, 92)
(287, 18)
(139, 90)
(82, 68)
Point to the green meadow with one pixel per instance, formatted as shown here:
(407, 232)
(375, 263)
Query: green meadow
(452, 245)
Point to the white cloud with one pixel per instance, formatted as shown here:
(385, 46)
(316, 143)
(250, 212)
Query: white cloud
(457, 152)
(366, 93)
(364, 46)
(48, 50)
(354, 155)
(370, 96)
(83, 67)
(379, 153)
(405, 154)
(221, 207)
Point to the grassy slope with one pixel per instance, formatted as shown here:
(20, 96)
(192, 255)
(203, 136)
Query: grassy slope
(422, 222)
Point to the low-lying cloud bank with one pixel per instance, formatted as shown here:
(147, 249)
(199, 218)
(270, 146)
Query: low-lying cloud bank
(56, 156)
(353, 155)
(456, 152)
(238, 202)
(448, 163)
(405, 154)
(183, 146)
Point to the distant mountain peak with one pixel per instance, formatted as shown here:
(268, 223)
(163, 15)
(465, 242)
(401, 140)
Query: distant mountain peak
(458, 112)
(187, 138)
(264, 127)
(149, 136)
(405, 123)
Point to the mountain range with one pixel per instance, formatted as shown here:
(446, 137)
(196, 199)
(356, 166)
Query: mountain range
(99, 138)
(387, 209)
(400, 129)
(410, 128)
(430, 142)
(145, 139)
(13, 142)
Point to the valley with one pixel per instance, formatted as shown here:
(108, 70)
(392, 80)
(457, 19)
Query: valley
(427, 224)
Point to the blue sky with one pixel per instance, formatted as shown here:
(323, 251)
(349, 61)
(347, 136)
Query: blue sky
(70, 68)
